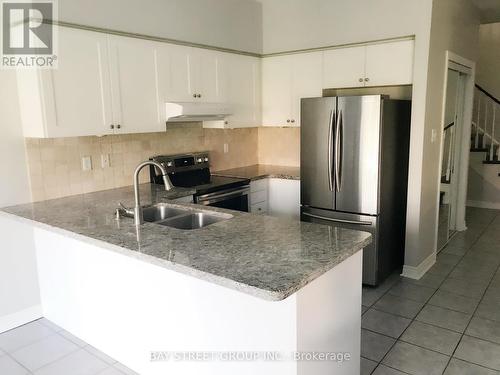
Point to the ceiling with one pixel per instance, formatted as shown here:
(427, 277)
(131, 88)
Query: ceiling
(490, 10)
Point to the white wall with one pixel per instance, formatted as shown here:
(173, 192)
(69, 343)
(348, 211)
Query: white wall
(235, 24)
(488, 67)
(19, 294)
(455, 26)
(484, 183)
(299, 24)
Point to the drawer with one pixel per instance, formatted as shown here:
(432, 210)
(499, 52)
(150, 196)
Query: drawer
(259, 185)
(259, 208)
(258, 196)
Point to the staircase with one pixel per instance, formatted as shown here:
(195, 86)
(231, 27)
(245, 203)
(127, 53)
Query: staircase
(485, 134)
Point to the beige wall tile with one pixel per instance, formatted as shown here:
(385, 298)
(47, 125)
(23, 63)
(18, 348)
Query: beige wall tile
(55, 164)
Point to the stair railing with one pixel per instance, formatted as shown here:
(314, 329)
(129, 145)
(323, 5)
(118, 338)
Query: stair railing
(487, 124)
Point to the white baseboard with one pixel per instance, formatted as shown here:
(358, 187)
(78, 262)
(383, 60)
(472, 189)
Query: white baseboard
(19, 318)
(420, 270)
(482, 204)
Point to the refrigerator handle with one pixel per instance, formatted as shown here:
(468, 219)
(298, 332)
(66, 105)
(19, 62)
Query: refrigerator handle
(338, 152)
(330, 151)
(338, 220)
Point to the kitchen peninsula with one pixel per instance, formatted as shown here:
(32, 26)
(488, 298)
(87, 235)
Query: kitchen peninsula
(248, 283)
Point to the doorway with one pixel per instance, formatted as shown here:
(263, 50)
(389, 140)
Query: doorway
(454, 149)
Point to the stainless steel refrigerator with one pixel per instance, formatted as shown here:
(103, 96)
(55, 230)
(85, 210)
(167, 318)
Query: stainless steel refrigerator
(354, 172)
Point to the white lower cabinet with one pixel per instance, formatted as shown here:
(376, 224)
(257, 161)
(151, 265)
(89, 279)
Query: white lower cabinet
(276, 197)
(259, 196)
(284, 198)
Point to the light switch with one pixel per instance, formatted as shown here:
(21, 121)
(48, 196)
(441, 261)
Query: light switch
(86, 163)
(226, 148)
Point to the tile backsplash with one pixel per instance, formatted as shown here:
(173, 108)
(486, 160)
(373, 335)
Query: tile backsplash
(55, 165)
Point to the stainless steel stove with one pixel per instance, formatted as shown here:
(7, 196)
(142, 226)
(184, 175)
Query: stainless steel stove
(193, 170)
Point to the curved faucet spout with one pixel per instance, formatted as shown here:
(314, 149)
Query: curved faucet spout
(138, 217)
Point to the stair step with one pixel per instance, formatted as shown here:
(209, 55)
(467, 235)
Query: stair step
(479, 149)
(491, 162)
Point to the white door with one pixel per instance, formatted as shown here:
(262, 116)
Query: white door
(136, 106)
(77, 94)
(276, 91)
(344, 67)
(390, 63)
(244, 91)
(306, 80)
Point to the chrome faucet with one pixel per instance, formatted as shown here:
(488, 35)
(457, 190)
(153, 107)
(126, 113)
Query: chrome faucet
(138, 217)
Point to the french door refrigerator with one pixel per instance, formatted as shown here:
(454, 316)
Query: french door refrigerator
(354, 172)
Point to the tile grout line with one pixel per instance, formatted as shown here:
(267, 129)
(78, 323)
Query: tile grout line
(425, 304)
(473, 313)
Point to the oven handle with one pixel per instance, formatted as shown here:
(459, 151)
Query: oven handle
(217, 197)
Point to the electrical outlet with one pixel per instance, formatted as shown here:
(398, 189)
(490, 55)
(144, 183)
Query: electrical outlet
(105, 161)
(86, 163)
(226, 148)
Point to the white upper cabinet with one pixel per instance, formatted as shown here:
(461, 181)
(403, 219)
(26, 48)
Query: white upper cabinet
(276, 91)
(243, 91)
(175, 73)
(285, 80)
(382, 64)
(189, 74)
(306, 80)
(344, 67)
(390, 63)
(136, 106)
(74, 99)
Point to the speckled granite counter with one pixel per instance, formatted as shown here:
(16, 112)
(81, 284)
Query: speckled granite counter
(263, 256)
(259, 171)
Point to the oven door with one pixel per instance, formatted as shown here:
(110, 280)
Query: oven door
(232, 199)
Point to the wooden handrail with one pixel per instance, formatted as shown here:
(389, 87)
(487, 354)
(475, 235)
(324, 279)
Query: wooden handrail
(487, 94)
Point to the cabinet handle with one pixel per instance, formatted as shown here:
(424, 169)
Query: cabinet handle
(118, 126)
(367, 79)
(111, 126)
(361, 80)
(293, 121)
(288, 120)
(195, 96)
(199, 95)
(226, 122)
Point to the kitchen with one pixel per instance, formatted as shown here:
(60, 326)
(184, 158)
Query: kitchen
(250, 181)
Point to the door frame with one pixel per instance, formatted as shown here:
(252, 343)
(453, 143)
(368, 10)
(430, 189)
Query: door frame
(467, 68)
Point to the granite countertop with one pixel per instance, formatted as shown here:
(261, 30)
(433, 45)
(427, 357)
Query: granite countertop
(264, 256)
(259, 171)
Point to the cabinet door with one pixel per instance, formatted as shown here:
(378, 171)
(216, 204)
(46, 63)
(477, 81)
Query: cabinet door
(344, 67)
(206, 66)
(76, 95)
(306, 80)
(244, 91)
(284, 198)
(276, 91)
(390, 63)
(136, 107)
(176, 72)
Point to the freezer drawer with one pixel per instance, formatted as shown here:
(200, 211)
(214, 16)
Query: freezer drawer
(356, 222)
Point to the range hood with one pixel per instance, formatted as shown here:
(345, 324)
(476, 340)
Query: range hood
(189, 112)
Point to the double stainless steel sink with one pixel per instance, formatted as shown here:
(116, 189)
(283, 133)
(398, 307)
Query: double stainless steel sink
(181, 218)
